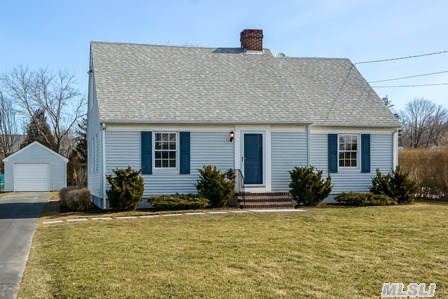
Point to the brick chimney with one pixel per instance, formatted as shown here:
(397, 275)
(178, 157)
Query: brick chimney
(252, 39)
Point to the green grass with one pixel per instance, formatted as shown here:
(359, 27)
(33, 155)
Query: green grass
(322, 253)
(54, 195)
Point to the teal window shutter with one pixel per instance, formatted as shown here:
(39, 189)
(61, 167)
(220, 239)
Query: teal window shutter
(332, 153)
(365, 153)
(146, 152)
(184, 154)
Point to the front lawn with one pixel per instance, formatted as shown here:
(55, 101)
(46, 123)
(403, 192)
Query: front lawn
(321, 253)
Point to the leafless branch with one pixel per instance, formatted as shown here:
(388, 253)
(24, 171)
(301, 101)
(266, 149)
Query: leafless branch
(54, 93)
(423, 123)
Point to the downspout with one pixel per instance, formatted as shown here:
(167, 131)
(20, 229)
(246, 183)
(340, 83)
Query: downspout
(395, 149)
(103, 145)
(308, 139)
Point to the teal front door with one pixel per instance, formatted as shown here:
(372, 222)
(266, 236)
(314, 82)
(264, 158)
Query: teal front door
(253, 159)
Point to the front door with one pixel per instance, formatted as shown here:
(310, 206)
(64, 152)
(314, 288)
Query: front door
(253, 159)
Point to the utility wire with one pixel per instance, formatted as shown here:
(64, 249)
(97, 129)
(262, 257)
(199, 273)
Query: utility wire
(339, 92)
(408, 77)
(400, 58)
(412, 85)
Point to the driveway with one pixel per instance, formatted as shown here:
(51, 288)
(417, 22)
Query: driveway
(18, 217)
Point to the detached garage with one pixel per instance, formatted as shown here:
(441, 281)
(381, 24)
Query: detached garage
(35, 168)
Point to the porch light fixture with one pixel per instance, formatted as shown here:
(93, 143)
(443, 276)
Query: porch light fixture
(231, 136)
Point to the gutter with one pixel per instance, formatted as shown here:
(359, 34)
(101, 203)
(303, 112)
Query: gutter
(308, 138)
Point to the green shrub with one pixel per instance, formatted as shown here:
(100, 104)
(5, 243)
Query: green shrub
(396, 185)
(365, 199)
(63, 195)
(79, 199)
(307, 186)
(216, 186)
(126, 189)
(178, 202)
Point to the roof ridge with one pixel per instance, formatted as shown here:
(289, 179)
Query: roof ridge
(209, 48)
(162, 46)
(315, 58)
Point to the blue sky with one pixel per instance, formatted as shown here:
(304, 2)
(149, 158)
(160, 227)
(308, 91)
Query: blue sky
(57, 33)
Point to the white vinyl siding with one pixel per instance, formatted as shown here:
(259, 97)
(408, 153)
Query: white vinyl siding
(123, 148)
(95, 150)
(288, 150)
(351, 179)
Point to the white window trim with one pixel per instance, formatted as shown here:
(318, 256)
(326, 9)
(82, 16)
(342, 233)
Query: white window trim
(358, 141)
(166, 170)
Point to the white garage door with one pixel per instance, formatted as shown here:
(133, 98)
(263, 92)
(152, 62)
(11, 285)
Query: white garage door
(31, 177)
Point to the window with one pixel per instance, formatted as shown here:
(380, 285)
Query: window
(165, 147)
(348, 150)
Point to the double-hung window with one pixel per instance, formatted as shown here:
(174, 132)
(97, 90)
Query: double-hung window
(348, 150)
(165, 150)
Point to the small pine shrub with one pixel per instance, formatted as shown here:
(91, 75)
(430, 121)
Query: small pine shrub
(178, 202)
(381, 184)
(79, 199)
(396, 185)
(307, 186)
(126, 189)
(216, 186)
(403, 187)
(365, 199)
(63, 195)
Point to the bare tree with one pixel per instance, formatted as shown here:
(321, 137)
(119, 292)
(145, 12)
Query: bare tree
(8, 126)
(424, 123)
(54, 93)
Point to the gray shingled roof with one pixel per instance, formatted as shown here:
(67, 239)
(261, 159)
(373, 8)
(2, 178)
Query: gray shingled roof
(165, 84)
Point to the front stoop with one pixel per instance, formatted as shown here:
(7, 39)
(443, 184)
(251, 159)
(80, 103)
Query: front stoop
(250, 200)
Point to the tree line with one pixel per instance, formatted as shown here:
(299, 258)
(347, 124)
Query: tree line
(48, 108)
(424, 124)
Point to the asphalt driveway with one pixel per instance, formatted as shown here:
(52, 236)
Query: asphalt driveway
(18, 217)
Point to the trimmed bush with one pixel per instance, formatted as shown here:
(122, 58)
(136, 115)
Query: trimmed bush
(79, 199)
(178, 202)
(365, 199)
(307, 186)
(63, 195)
(396, 185)
(216, 186)
(126, 190)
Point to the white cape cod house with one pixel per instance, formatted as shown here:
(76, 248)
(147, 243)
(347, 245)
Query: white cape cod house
(170, 110)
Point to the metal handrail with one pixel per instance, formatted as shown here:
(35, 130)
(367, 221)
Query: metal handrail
(240, 185)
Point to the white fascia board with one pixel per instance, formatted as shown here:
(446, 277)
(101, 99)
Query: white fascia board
(348, 130)
(201, 127)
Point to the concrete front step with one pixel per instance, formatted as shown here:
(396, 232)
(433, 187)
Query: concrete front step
(264, 194)
(265, 198)
(248, 205)
(252, 205)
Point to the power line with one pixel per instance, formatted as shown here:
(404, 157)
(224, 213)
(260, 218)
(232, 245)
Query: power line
(404, 57)
(413, 85)
(339, 92)
(408, 77)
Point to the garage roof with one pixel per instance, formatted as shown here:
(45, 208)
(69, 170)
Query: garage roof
(35, 143)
